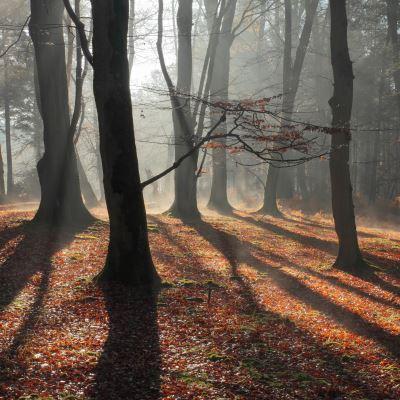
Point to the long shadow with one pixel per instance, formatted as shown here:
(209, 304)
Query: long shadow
(265, 359)
(368, 273)
(236, 252)
(332, 362)
(130, 364)
(308, 222)
(9, 233)
(32, 255)
(330, 279)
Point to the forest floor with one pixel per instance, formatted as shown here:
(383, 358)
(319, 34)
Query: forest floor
(280, 322)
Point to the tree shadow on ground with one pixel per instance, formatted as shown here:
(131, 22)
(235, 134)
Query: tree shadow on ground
(333, 280)
(130, 364)
(238, 252)
(268, 365)
(32, 255)
(369, 273)
(309, 222)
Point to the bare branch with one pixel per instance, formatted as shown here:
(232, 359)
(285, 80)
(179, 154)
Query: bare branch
(177, 163)
(80, 27)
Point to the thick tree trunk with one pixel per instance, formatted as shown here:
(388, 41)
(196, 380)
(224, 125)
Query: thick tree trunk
(7, 122)
(129, 259)
(349, 256)
(61, 200)
(220, 92)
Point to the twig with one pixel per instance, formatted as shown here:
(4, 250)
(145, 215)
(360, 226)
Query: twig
(177, 163)
(18, 38)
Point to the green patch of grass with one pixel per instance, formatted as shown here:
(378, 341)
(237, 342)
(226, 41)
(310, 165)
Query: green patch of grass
(186, 283)
(153, 228)
(85, 236)
(215, 356)
(200, 380)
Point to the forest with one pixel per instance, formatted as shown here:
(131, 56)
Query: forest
(199, 199)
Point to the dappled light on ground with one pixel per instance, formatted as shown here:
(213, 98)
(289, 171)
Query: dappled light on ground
(250, 309)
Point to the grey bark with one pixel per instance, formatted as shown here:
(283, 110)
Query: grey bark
(7, 122)
(219, 91)
(61, 200)
(291, 82)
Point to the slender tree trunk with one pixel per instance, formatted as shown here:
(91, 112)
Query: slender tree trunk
(220, 92)
(2, 186)
(321, 184)
(375, 152)
(38, 123)
(61, 200)
(7, 122)
(302, 181)
(392, 18)
(185, 203)
(87, 190)
(291, 81)
(349, 256)
(70, 49)
(129, 259)
(131, 34)
(270, 205)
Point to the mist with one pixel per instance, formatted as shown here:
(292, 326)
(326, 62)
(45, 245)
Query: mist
(209, 190)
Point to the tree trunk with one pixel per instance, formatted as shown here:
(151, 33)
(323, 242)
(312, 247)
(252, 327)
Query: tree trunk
(392, 18)
(129, 259)
(61, 200)
(87, 190)
(220, 92)
(7, 121)
(2, 186)
(349, 256)
(185, 203)
(291, 81)
(131, 33)
(70, 49)
(302, 181)
(37, 121)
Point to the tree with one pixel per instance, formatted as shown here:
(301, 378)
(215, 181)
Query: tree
(61, 200)
(349, 256)
(129, 259)
(185, 202)
(7, 118)
(219, 92)
(291, 81)
(2, 186)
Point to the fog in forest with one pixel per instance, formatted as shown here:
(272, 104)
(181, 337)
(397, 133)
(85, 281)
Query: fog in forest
(254, 72)
(210, 188)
